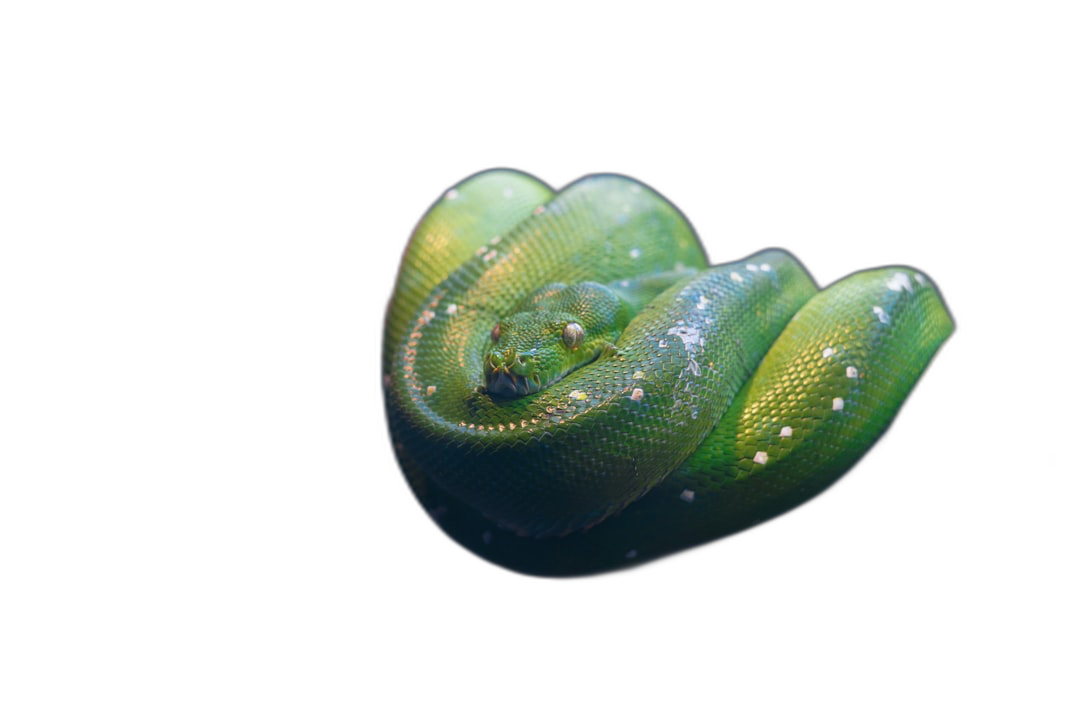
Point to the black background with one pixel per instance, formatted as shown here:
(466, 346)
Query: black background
(900, 527)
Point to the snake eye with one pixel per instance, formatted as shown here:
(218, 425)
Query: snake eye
(572, 335)
(495, 332)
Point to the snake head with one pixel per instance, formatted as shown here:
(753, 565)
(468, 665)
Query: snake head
(552, 333)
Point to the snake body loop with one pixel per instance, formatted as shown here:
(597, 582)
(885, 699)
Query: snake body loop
(734, 394)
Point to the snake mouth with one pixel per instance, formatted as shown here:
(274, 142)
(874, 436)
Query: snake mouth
(501, 381)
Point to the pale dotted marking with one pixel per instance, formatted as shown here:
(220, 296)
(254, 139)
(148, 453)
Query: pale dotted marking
(426, 317)
(662, 344)
(852, 372)
(687, 496)
(898, 282)
(761, 457)
(431, 389)
(495, 240)
(481, 250)
(638, 374)
(513, 426)
(635, 253)
(578, 395)
(838, 403)
(920, 279)
(508, 192)
(828, 352)
(635, 189)
(451, 309)
(637, 394)
(624, 283)
(785, 431)
(451, 194)
(539, 210)
(752, 267)
(490, 256)
(882, 316)
(690, 336)
(736, 277)
(766, 267)
(502, 427)
(702, 302)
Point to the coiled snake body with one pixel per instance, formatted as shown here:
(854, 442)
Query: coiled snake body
(731, 395)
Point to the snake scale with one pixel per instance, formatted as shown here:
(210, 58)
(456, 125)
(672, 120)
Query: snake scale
(571, 388)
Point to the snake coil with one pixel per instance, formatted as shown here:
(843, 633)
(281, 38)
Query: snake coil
(734, 395)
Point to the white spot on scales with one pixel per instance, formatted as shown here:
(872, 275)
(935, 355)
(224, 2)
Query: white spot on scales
(687, 496)
(785, 431)
(838, 403)
(898, 282)
(761, 457)
(690, 336)
(882, 316)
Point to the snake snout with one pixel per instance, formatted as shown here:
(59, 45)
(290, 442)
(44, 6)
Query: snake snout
(501, 359)
(507, 372)
(509, 360)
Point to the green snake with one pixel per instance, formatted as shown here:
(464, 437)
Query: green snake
(571, 388)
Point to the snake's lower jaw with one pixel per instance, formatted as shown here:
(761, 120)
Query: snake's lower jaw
(500, 381)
